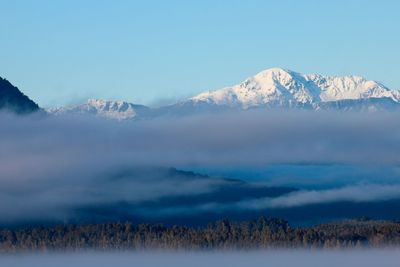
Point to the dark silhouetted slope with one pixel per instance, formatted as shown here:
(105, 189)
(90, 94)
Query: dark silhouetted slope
(14, 100)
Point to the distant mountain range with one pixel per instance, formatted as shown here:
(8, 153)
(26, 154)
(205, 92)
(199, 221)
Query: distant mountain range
(120, 110)
(274, 88)
(13, 100)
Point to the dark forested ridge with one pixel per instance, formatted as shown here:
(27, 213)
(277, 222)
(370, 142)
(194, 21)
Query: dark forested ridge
(256, 234)
(14, 100)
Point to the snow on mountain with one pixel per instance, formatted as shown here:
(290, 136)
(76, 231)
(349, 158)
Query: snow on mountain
(281, 88)
(119, 110)
(272, 88)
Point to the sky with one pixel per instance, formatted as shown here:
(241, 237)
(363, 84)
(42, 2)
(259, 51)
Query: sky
(156, 52)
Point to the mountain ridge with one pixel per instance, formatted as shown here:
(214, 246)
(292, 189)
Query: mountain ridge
(283, 86)
(12, 99)
(119, 110)
(274, 88)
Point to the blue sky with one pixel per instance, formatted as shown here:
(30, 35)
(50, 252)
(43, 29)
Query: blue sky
(154, 52)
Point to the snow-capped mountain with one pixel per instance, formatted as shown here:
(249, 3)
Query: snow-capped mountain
(119, 110)
(278, 87)
(272, 88)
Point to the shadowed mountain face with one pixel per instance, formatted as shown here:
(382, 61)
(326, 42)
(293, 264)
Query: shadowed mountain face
(14, 100)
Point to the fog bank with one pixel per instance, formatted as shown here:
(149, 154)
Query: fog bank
(56, 166)
(367, 258)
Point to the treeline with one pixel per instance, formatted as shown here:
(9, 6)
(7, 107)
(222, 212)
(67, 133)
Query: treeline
(257, 234)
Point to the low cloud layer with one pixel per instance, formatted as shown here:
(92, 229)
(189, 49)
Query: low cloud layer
(355, 193)
(50, 164)
(362, 193)
(298, 258)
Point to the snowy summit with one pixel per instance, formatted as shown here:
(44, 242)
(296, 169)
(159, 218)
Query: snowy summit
(119, 110)
(280, 87)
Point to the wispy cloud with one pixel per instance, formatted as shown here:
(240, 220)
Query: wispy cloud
(355, 193)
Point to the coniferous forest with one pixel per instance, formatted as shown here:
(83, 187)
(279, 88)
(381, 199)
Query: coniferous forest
(262, 233)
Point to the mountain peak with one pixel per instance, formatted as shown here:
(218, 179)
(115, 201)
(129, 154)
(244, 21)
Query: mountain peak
(119, 110)
(275, 75)
(278, 87)
(11, 98)
(108, 104)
